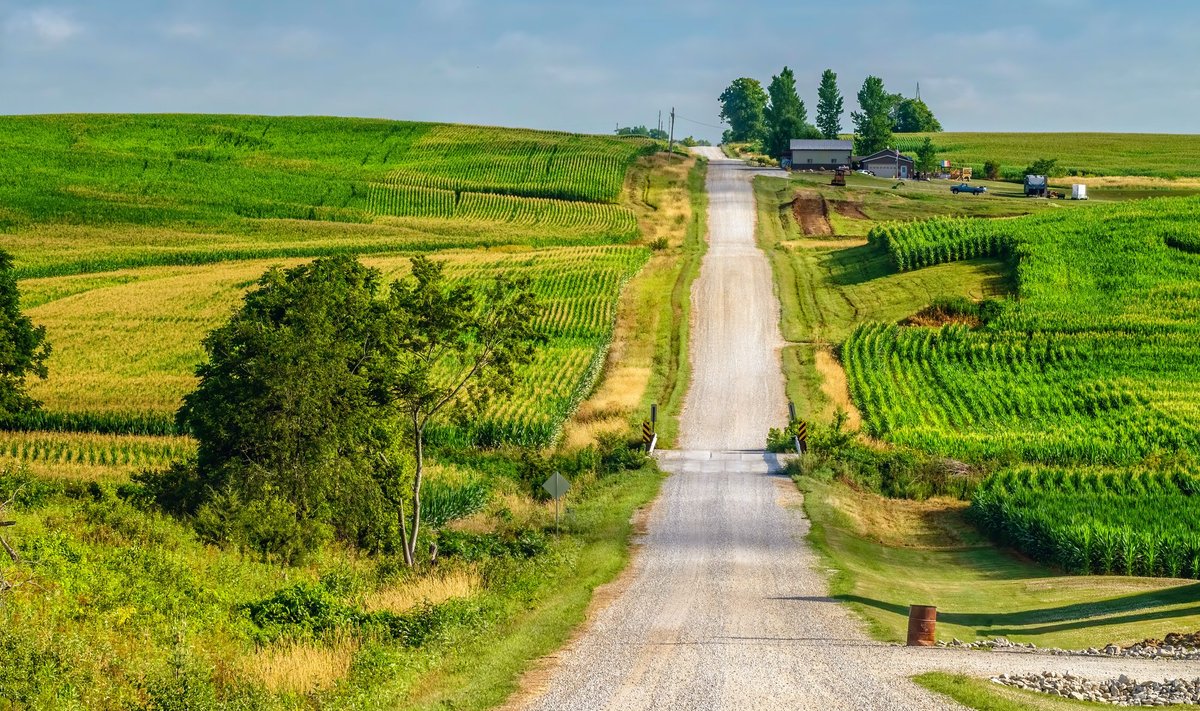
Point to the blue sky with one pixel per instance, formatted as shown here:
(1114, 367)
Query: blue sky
(1038, 65)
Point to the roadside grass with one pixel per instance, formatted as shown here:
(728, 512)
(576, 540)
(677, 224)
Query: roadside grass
(125, 604)
(983, 695)
(889, 554)
(671, 371)
(484, 672)
(642, 366)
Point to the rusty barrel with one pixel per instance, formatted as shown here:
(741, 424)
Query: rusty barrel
(922, 624)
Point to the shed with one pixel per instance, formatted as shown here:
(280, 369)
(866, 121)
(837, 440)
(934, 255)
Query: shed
(817, 154)
(889, 163)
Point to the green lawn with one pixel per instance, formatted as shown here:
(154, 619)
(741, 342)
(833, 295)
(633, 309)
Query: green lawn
(891, 554)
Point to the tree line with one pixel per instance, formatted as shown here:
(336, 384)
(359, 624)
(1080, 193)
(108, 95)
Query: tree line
(776, 115)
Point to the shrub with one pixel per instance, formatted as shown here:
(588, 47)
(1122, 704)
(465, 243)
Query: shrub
(269, 526)
(991, 169)
(303, 609)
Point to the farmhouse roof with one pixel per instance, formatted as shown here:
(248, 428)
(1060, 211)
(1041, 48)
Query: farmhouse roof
(886, 153)
(810, 144)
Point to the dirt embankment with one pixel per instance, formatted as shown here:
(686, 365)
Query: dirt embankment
(811, 211)
(850, 208)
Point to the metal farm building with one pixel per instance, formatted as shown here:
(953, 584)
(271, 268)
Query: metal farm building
(809, 154)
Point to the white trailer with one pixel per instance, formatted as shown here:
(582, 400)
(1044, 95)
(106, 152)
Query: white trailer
(1079, 192)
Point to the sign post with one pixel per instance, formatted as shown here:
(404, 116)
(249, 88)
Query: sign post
(557, 486)
(650, 429)
(800, 438)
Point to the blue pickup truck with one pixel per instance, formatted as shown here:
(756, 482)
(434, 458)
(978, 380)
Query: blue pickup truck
(964, 188)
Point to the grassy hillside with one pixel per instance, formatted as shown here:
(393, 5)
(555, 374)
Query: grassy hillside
(137, 234)
(90, 193)
(1143, 154)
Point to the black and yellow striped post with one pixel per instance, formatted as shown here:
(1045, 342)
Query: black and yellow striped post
(647, 433)
(800, 430)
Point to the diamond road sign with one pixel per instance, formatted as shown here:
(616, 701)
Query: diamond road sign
(557, 485)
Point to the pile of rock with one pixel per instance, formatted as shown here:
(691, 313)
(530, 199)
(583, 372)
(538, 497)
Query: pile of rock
(1121, 691)
(1173, 647)
(997, 643)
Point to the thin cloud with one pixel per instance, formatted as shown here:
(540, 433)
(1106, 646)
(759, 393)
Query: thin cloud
(45, 25)
(186, 30)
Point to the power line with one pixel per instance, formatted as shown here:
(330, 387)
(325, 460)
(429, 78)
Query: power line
(709, 125)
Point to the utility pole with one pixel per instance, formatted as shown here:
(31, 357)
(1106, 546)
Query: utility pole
(671, 140)
(660, 119)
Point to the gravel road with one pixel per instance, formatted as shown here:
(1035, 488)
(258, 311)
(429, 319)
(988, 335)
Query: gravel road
(736, 392)
(725, 606)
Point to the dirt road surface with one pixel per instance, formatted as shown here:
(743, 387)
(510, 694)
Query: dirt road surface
(725, 605)
(736, 392)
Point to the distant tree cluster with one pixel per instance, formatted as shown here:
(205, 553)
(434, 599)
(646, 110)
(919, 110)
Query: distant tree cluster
(657, 133)
(775, 116)
(881, 114)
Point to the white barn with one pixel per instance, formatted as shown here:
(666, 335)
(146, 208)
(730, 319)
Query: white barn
(820, 154)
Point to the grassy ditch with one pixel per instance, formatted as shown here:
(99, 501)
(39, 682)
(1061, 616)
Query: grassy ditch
(671, 368)
(648, 361)
(890, 553)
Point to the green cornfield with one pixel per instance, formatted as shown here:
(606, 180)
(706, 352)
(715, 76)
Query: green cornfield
(1136, 154)
(1096, 360)
(1125, 523)
(134, 235)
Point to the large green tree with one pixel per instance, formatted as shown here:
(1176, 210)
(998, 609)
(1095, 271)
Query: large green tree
(829, 106)
(872, 123)
(743, 107)
(283, 406)
(23, 348)
(914, 116)
(786, 115)
(316, 394)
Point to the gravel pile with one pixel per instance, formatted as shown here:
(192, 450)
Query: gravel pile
(1122, 691)
(1148, 649)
